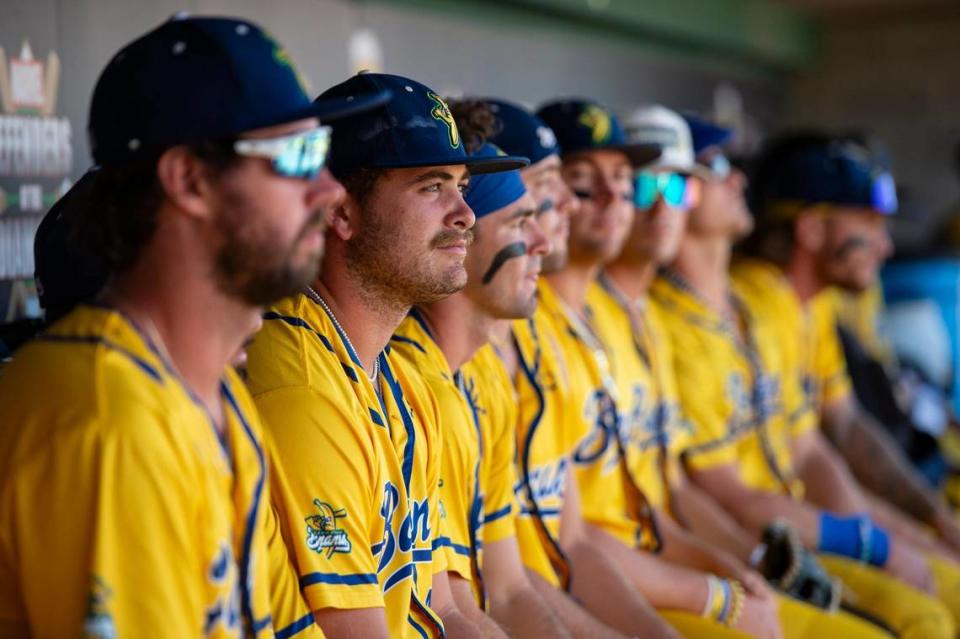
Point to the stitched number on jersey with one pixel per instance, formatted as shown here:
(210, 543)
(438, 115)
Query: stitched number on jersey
(323, 535)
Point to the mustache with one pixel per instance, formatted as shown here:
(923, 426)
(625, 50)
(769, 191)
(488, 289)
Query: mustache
(850, 245)
(451, 237)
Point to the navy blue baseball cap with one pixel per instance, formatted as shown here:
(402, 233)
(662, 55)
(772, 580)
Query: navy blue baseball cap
(66, 274)
(809, 169)
(415, 128)
(706, 134)
(582, 125)
(204, 78)
(520, 132)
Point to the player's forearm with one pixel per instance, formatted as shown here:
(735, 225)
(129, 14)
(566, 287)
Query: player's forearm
(877, 461)
(525, 615)
(666, 585)
(683, 548)
(458, 609)
(755, 509)
(471, 623)
(609, 596)
(906, 528)
(826, 479)
(580, 623)
(709, 521)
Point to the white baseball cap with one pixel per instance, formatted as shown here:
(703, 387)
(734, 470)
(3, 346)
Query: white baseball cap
(655, 124)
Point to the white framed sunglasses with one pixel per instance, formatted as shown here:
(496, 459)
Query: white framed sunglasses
(300, 155)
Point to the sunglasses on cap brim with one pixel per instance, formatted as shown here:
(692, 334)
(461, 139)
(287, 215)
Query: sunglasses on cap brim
(299, 155)
(677, 190)
(883, 193)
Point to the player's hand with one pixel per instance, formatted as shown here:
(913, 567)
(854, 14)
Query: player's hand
(910, 566)
(760, 618)
(754, 583)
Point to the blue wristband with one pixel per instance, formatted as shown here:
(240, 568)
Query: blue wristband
(855, 537)
(879, 546)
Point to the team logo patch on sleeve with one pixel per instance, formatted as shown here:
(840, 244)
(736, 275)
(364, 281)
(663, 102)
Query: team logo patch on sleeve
(322, 532)
(98, 623)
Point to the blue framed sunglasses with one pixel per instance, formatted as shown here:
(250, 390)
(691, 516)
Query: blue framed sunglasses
(301, 155)
(676, 189)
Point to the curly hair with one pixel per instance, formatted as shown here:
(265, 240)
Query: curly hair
(475, 120)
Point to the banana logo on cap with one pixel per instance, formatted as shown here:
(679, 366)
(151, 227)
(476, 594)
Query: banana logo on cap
(442, 113)
(598, 121)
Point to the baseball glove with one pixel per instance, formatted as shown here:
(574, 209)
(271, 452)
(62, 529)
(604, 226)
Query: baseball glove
(792, 569)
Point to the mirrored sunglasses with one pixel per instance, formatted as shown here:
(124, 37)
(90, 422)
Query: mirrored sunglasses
(301, 155)
(676, 189)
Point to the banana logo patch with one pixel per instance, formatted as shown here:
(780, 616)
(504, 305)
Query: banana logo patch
(598, 121)
(442, 113)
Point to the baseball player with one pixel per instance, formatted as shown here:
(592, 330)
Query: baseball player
(749, 420)
(353, 429)
(548, 491)
(838, 198)
(494, 367)
(134, 487)
(652, 433)
(852, 195)
(617, 514)
(438, 339)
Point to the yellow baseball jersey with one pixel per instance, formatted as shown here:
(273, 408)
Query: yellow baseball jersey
(610, 499)
(806, 333)
(860, 314)
(460, 494)
(743, 408)
(356, 467)
(494, 403)
(124, 511)
(544, 442)
(641, 362)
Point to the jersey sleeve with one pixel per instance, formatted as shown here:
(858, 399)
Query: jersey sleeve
(143, 560)
(291, 615)
(323, 483)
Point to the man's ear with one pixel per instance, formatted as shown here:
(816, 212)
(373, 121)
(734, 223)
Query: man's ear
(345, 218)
(810, 231)
(186, 182)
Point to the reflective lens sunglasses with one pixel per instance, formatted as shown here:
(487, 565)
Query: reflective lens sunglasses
(301, 155)
(883, 193)
(719, 165)
(676, 189)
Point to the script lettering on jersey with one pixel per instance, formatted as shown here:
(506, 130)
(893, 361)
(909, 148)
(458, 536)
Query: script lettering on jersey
(414, 527)
(752, 406)
(547, 484)
(600, 412)
(649, 422)
(223, 573)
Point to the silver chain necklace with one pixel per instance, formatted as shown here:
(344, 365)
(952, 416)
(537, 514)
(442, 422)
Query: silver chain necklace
(376, 362)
